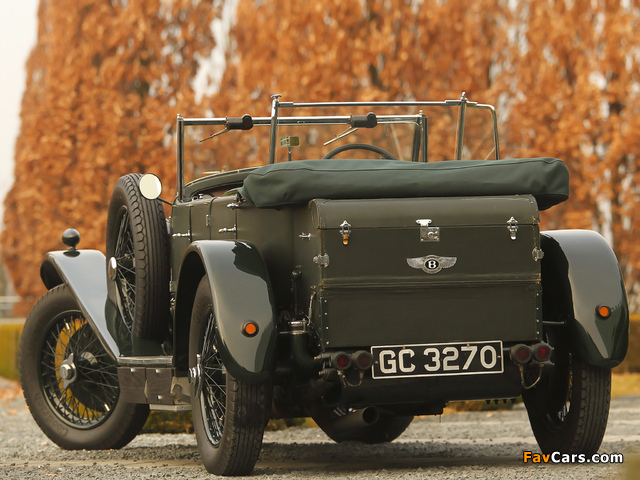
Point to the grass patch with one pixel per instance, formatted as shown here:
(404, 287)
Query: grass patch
(625, 384)
(621, 384)
(631, 362)
(169, 422)
(9, 344)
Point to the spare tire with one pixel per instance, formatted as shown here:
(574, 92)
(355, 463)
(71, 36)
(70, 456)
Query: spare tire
(138, 262)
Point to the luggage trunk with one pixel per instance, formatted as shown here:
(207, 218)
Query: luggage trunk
(420, 270)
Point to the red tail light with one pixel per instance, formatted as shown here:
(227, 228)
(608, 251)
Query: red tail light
(341, 360)
(521, 353)
(363, 360)
(542, 352)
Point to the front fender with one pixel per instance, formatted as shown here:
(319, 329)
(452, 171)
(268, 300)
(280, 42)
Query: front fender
(84, 273)
(579, 273)
(241, 291)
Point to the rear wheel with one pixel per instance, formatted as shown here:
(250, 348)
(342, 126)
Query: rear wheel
(229, 415)
(576, 421)
(386, 429)
(138, 259)
(70, 383)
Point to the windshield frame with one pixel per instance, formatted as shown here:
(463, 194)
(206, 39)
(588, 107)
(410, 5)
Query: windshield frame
(275, 120)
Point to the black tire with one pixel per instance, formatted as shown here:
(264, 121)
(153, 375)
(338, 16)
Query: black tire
(84, 412)
(229, 415)
(138, 240)
(575, 423)
(388, 427)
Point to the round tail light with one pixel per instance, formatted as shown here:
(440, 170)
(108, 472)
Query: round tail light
(521, 353)
(341, 360)
(542, 352)
(362, 360)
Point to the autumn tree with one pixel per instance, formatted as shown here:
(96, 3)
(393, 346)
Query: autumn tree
(565, 74)
(107, 78)
(104, 84)
(371, 50)
(572, 89)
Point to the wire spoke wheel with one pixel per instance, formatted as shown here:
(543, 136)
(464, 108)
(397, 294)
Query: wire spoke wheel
(125, 275)
(214, 388)
(569, 409)
(229, 415)
(90, 394)
(70, 381)
(556, 419)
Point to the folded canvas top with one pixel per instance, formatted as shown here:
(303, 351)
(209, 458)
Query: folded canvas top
(280, 184)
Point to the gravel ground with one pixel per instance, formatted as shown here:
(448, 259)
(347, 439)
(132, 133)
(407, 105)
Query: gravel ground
(471, 445)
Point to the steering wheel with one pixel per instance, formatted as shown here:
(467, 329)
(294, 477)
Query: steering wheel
(360, 146)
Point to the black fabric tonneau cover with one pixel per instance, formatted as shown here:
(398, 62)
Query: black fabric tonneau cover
(280, 184)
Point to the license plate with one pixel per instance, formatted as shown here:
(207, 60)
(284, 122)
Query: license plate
(437, 359)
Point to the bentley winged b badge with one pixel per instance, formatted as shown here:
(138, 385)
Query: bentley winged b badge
(432, 264)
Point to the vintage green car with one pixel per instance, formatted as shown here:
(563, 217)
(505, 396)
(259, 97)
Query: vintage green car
(352, 275)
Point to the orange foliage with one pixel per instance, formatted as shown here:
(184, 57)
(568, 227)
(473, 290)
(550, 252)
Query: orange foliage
(105, 82)
(372, 50)
(107, 78)
(573, 89)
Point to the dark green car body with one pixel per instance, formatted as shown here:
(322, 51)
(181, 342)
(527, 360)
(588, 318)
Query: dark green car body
(368, 282)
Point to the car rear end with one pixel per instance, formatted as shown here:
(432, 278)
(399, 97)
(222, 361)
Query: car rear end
(436, 291)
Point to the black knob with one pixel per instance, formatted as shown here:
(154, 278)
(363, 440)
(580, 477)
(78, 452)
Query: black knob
(71, 238)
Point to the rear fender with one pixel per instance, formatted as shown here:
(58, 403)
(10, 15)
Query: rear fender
(579, 273)
(241, 291)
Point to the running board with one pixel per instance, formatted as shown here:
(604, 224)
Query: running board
(154, 384)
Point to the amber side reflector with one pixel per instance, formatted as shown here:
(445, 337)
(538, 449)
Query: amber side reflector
(603, 311)
(250, 329)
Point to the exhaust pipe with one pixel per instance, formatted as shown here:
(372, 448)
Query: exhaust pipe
(356, 420)
(301, 354)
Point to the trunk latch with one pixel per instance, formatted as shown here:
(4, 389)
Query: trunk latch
(345, 231)
(427, 232)
(512, 226)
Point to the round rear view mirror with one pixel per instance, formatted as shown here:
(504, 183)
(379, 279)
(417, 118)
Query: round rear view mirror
(150, 186)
